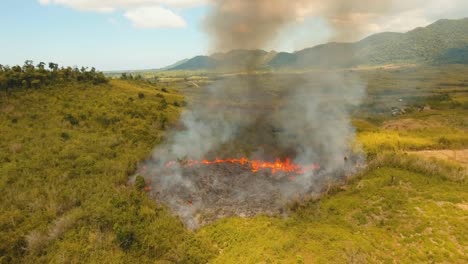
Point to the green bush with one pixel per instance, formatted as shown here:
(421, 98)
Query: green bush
(140, 183)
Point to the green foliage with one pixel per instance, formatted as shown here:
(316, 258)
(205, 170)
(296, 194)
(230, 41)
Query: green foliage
(30, 76)
(140, 183)
(130, 77)
(125, 236)
(163, 104)
(73, 121)
(64, 169)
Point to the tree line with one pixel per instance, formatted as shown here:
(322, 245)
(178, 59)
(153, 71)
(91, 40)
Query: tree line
(35, 76)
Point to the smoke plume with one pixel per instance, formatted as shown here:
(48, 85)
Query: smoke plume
(304, 117)
(251, 24)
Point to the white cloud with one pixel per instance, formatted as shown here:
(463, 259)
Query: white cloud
(99, 5)
(142, 13)
(154, 17)
(372, 16)
(359, 18)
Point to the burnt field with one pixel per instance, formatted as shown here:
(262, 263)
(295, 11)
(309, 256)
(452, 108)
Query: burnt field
(209, 190)
(252, 144)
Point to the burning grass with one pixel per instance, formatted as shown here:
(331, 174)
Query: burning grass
(208, 190)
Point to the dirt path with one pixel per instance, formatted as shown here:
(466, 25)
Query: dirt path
(460, 156)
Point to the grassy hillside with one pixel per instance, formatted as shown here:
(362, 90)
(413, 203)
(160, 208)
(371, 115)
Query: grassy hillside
(67, 152)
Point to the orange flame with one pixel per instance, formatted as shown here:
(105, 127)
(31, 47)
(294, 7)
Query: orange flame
(277, 166)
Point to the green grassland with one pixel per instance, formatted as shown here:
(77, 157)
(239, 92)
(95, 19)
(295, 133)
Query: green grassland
(387, 215)
(67, 152)
(66, 156)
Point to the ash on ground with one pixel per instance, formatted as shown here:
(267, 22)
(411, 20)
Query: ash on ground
(211, 192)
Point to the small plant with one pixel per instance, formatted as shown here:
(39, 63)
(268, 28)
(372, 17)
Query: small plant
(73, 121)
(125, 237)
(163, 119)
(163, 104)
(140, 183)
(65, 136)
(141, 95)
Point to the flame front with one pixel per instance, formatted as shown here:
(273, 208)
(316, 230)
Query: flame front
(277, 166)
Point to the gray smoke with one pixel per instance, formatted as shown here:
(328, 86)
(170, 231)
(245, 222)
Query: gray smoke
(251, 24)
(305, 117)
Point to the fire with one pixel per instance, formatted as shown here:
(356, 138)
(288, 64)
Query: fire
(277, 166)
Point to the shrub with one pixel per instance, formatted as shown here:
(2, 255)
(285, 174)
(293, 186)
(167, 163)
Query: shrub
(125, 237)
(162, 104)
(73, 121)
(140, 183)
(65, 136)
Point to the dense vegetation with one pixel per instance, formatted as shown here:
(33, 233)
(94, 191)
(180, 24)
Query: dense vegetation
(31, 76)
(68, 149)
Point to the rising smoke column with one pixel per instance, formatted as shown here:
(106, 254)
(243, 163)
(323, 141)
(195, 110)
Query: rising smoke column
(252, 24)
(314, 114)
(247, 24)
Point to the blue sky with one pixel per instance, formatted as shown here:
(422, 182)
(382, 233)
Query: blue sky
(148, 34)
(107, 41)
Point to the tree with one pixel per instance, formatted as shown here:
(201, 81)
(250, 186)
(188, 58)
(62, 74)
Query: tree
(53, 66)
(28, 75)
(41, 66)
(28, 64)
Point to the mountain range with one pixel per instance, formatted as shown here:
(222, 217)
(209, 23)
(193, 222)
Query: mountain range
(445, 41)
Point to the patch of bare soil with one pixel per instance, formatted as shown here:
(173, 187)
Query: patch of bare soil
(459, 156)
(409, 124)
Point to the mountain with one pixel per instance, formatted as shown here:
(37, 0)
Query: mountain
(174, 64)
(198, 62)
(230, 60)
(453, 56)
(445, 41)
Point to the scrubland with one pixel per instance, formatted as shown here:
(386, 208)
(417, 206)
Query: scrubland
(67, 152)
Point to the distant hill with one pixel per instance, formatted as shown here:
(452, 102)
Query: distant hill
(445, 41)
(453, 56)
(229, 60)
(174, 64)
